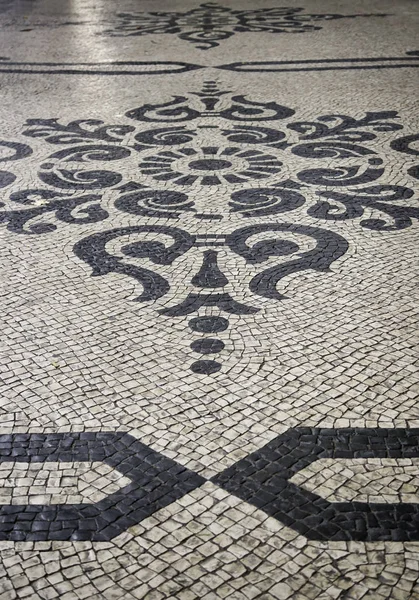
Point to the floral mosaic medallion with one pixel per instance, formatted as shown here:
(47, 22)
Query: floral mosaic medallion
(211, 23)
(187, 192)
(209, 353)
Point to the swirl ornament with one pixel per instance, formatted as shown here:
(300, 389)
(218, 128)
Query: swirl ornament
(215, 158)
(249, 134)
(13, 151)
(76, 132)
(178, 109)
(67, 208)
(166, 136)
(211, 23)
(157, 203)
(78, 179)
(328, 248)
(265, 201)
(93, 250)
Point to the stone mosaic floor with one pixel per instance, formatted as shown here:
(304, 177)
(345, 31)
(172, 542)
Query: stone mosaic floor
(209, 240)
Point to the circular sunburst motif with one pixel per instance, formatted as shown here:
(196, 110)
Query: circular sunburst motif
(210, 165)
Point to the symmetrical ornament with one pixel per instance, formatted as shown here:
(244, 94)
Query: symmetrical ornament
(206, 174)
(264, 479)
(211, 23)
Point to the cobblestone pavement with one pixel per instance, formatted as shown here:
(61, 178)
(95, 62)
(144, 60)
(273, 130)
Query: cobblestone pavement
(209, 240)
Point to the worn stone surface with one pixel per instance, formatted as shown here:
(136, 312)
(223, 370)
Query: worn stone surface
(209, 239)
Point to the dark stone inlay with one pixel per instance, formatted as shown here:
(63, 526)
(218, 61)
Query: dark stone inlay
(206, 367)
(156, 481)
(329, 247)
(154, 247)
(92, 249)
(210, 164)
(156, 203)
(210, 275)
(208, 217)
(210, 180)
(207, 346)
(211, 23)
(323, 64)
(193, 302)
(265, 201)
(208, 324)
(14, 151)
(6, 178)
(106, 68)
(262, 479)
